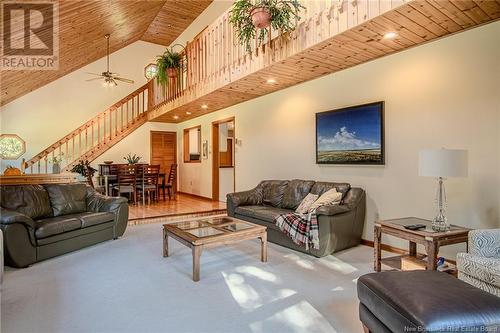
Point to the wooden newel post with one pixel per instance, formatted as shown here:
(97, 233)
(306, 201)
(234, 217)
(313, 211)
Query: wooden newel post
(151, 94)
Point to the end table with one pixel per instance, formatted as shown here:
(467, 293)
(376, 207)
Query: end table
(427, 237)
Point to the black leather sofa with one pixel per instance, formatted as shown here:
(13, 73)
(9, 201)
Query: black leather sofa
(424, 301)
(340, 226)
(41, 222)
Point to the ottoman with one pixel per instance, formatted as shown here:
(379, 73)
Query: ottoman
(425, 301)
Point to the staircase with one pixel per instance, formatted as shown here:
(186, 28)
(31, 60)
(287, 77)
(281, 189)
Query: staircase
(100, 133)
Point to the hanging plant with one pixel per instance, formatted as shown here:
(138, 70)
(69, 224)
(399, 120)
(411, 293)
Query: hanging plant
(170, 64)
(251, 18)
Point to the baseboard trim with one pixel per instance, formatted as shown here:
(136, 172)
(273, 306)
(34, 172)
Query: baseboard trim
(397, 250)
(196, 196)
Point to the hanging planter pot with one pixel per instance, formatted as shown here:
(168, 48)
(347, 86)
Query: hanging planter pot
(172, 73)
(261, 17)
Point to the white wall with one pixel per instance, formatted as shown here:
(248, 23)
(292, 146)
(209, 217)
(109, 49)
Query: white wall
(52, 111)
(442, 94)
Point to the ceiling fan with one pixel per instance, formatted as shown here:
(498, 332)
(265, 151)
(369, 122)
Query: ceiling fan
(109, 77)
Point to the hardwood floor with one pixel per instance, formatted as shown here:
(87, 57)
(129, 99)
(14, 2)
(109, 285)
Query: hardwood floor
(183, 204)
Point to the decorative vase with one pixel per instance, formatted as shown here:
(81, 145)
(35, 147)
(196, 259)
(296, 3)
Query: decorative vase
(56, 168)
(261, 18)
(11, 171)
(172, 72)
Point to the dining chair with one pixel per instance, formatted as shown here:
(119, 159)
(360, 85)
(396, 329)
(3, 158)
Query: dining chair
(171, 182)
(126, 181)
(147, 181)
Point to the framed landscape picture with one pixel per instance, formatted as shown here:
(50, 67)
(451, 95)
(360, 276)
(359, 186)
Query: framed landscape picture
(352, 135)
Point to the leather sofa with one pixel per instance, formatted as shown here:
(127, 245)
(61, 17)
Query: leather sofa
(340, 226)
(41, 222)
(424, 301)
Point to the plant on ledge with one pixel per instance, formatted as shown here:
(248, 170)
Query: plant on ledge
(249, 15)
(169, 65)
(85, 170)
(132, 159)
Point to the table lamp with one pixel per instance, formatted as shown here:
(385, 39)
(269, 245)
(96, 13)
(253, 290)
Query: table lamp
(441, 164)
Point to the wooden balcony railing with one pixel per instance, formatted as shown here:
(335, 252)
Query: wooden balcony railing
(215, 58)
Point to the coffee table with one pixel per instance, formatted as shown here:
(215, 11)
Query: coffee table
(209, 232)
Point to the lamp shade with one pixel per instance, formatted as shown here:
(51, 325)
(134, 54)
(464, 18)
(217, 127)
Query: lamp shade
(443, 163)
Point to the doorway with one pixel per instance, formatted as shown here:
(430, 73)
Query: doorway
(164, 151)
(223, 158)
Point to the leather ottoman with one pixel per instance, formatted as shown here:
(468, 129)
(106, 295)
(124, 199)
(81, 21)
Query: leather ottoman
(425, 301)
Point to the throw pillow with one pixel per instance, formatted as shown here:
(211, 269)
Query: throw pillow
(306, 203)
(330, 197)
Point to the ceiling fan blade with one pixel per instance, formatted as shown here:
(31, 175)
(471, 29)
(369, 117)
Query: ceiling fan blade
(93, 73)
(114, 82)
(123, 79)
(94, 78)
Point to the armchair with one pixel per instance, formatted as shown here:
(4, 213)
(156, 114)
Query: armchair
(481, 266)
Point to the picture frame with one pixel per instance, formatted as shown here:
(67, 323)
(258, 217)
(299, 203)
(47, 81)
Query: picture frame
(351, 135)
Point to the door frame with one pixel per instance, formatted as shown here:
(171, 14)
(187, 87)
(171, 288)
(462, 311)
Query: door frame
(215, 156)
(175, 154)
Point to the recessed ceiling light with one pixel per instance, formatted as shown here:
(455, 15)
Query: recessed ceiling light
(390, 35)
(204, 106)
(176, 117)
(271, 81)
(188, 113)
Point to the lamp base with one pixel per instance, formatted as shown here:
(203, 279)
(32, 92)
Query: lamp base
(440, 223)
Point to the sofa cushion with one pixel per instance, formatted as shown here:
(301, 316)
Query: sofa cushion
(264, 213)
(89, 219)
(321, 187)
(67, 198)
(272, 192)
(30, 200)
(295, 191)
(330, 197)
(306, 203)
(429, 301)
(56, 225)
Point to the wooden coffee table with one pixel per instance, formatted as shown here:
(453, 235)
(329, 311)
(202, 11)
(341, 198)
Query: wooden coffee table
(209, 232)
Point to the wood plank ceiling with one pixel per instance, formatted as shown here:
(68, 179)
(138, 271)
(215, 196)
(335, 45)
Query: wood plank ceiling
(415, 22)
(83, 24)
(173, 19)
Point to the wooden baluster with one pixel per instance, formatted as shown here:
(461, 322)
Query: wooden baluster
(46, 164)
(98, 130)
(116, 122)
(86, 139)
(38, 164)
(110, 124)
(79, 142)
(138, 110)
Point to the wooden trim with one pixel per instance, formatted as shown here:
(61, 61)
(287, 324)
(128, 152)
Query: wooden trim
(197, 196)
(215, 160)
(393, 249)
(185, 143)
(62, 178)
(224, 120)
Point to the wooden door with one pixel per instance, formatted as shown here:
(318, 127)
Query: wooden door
(164, 151)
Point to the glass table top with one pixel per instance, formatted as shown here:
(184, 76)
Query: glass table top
(205, 232)
(237, 226)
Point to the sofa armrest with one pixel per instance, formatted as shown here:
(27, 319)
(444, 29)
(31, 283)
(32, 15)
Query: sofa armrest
(484, 243)
(10, 217)
(353, 197)
(331, 210)
(97, 202)
(245, 198)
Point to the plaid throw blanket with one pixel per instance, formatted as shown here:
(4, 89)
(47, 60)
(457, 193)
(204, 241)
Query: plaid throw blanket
(301, 228)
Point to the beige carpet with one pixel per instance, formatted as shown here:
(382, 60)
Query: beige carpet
(127, 286)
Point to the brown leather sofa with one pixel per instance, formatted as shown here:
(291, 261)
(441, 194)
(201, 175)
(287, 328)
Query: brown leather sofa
(340, 226)
(41, 222)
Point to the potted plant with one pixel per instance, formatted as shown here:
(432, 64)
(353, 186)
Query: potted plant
(84, 169)
(248, 16)
(56, 163)
(132, 159)
(169, 65)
